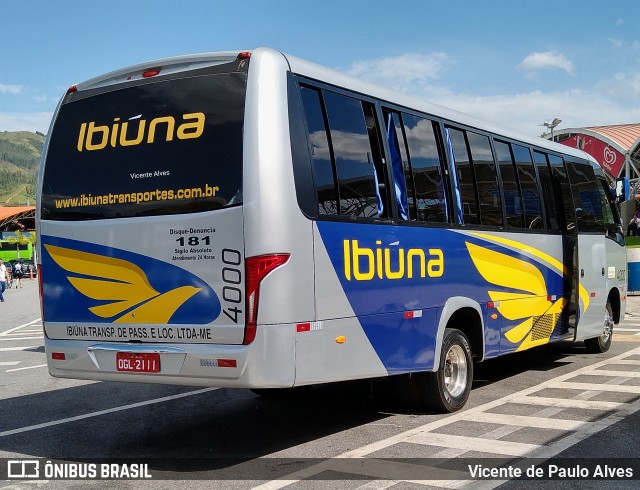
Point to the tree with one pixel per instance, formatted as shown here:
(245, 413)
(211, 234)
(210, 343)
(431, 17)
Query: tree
(33, 239)
(18, 239)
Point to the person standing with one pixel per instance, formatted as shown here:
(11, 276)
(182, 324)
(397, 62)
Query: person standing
(3, 280)
(18, 273)
(632, 229)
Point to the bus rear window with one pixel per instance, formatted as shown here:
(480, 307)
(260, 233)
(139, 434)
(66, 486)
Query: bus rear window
(162, 147)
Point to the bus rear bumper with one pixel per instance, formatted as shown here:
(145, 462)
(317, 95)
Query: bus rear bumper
(268, 362)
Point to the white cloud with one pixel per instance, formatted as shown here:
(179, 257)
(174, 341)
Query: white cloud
(620, 22)
(402, 71)
(10, 89)
(25, 121)
(526, 112)
(542, 61)
(616, 42)
(521, 112)
(629, 85)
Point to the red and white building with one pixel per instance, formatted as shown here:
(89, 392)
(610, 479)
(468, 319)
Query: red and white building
(615, 148)
(612, 146)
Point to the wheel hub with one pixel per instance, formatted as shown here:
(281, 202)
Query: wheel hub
(455, 371)
(608, 327)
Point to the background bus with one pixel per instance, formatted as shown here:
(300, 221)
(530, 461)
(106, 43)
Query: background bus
(12, 252)
(255, 220)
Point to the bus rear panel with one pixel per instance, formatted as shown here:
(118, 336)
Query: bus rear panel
(142, 231)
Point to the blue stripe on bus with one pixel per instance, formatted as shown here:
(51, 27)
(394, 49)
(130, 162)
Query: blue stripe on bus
(386, 271)
(92, 283)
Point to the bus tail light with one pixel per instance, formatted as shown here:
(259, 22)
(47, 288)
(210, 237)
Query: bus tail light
(256, 269)
(151, 72)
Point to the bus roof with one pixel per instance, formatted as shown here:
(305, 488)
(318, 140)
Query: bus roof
(327, 75)
(318, 72)
(168, 65)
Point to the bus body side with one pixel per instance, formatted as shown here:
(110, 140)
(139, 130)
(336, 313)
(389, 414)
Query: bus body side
(506, 291)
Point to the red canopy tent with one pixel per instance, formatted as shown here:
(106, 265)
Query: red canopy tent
(17, 218)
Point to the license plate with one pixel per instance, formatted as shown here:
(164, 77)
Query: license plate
(138, 363)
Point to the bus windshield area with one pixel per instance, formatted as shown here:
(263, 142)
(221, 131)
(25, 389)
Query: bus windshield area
(167, 147)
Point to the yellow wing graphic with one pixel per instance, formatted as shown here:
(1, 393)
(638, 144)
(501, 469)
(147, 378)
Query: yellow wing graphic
(528, 304)
(552, 261)
(122, 284)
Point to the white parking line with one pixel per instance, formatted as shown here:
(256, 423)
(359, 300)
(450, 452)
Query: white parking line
(426, 434)
(526, 421)
(23, 368)
(7, 349)
(626, 362)
(567, 385)
(567, 403)
(505, 448)
(609, 372)
(7, 332)
(33, 337)
(104, 412)
(9, 363)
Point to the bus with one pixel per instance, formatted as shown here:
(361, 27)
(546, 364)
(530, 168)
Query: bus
(253, 220)
(12, 252)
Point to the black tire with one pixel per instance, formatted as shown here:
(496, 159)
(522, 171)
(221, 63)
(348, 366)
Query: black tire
(601, 344)
(448, 389)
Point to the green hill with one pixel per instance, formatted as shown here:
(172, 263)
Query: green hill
(19, 158)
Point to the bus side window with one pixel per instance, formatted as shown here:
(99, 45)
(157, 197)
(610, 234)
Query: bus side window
(561, 179)
(465, 178)
(552, 211)
(323, 169)
(610, 215)
(377, 152)
(589, 213)
(510, 187)
(402, 176)
(484, 169)
(358, 189)
(427, 165)
(528, 188)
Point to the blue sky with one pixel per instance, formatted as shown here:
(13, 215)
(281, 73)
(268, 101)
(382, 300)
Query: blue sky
(517, 63)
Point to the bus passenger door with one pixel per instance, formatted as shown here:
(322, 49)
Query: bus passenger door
(560, 218)
(592, 270)
(591, 250)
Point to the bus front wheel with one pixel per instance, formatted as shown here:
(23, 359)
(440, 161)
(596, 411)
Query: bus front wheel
(601, 344)
(448, 389)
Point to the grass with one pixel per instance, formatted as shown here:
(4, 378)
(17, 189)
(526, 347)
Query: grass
(632, 241)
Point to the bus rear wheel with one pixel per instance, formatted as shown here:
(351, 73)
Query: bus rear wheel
(601, 344)
(448, 389)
